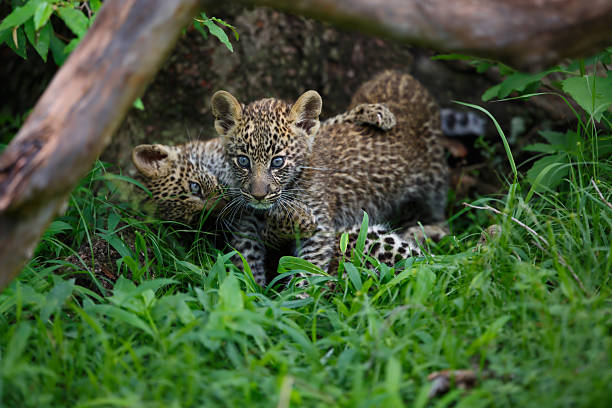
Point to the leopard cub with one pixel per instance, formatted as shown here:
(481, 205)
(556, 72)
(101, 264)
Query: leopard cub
(189, 179)
(281, 157)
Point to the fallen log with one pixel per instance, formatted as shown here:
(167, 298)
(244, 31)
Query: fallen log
(526, 34)
(74, 119)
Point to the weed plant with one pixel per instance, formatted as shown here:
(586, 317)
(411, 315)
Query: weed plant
(530, 309)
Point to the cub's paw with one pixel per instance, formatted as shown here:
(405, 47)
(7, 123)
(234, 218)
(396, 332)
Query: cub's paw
(374, 114)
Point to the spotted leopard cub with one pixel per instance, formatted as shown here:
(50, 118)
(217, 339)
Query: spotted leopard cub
(279, 157)
(191, 178)
(184, 180)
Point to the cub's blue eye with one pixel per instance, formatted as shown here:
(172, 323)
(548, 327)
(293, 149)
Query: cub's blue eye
(277, 162)
(195, 188)
(243, 161)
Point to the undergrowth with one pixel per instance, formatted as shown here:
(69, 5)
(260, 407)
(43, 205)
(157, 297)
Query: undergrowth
(174, 323)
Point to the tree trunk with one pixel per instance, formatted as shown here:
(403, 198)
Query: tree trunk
(74, 119)
(527, 34)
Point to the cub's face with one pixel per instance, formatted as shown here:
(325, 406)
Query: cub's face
(182, 187)
(267, 143)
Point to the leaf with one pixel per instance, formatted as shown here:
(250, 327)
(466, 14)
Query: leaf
(71, 45)
(291, 263)
(138, 104)
(353, 275)
(42, 44)
(95, 5)
(489, 335)
(56, 227)
(216, 31)
(117, 243)
(42, 14)
(593, 94)
(541, 147)
(491, 93)
(425, 279)
(58, 50)
(16, 345)
(230, 294)
(548, 172)
(343, 242)
(518, 81)
(452, 57)
(363, 233)
(75, 20)
(124, 316)
(16, 40)
(234, 30)
(56, 298)
(20, 15)
(200, 28)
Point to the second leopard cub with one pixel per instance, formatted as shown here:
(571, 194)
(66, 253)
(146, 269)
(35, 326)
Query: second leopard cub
(279, 159)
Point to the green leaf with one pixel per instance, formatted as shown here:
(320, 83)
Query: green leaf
(353, 275)
(16, 345)
(9, 38)
(230, 294)
(58, 50)
(95, 5)
(491, 93)
(20, 15)
(344, 242)
(548, 172)
(518, 81)
(71, 45)
(425, 280)
(452, 57)
(42, 14)
(56, 227)
(541, 147)
(75, 20)
(200, 28)
(234, 30)
(593, 94)
(363, 233)
(116, 243)
(489, 335)
(56, 298)
(138, 104)
(291, 263)
(40, 41)
(216, 31)
(124, 316)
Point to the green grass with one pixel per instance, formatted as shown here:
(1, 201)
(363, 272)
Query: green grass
(182, 327)
(170, 322)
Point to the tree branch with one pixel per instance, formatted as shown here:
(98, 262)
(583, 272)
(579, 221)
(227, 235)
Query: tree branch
(74, 119)
(527, 34)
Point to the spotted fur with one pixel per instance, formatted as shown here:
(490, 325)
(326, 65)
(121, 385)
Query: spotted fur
(184, 180)
(170, 171)
(341, 169)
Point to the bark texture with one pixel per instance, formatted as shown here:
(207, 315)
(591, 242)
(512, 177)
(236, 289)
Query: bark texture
(527, 34)
(74, 119)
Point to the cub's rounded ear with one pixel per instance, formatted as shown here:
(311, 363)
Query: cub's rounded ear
(227, 111)
(306, 110)
(153, 160)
